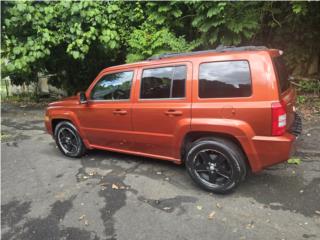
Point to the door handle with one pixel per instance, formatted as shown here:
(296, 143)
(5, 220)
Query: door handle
(173, 112)
(119, 112)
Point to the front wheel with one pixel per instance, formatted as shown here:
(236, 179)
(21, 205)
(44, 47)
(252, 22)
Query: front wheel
(217, 165)
(69, 140)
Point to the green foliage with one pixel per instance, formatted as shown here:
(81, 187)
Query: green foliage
(309, 86)
(22, 98)
(294, 160)
(301, 99)
(149, 41)
(72, 41)
(226, 23)
(62, 38)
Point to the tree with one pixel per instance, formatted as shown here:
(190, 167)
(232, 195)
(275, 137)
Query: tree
(73, 41)
(148, 41)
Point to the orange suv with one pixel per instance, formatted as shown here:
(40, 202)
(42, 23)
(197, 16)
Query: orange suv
(222, 112)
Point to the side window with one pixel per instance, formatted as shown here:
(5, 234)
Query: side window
(283, 76)
(224, 79)
(164, 82)
(114, 86)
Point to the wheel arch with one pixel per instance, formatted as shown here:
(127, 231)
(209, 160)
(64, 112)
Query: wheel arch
(56, 121)
(70, 117)
(192, 136)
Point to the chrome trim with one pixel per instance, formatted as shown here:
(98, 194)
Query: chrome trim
(148, 99)
(117, 100)
(66, 151)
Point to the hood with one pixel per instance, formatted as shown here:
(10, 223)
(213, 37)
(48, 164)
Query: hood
(73, 100)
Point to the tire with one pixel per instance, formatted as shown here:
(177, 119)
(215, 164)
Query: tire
(65, 135)
(216, 164)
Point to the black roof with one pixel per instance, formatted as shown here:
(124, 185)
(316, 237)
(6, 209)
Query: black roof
(217, 50)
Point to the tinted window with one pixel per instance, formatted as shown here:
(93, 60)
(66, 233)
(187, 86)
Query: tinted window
(179, 81)
(113, 86)
(164, 82)
(224, 79)
(282, 73)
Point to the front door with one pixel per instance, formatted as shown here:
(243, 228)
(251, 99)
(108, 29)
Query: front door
(162, 108)
(106, 118)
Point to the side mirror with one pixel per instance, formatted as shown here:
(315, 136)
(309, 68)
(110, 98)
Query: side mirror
(82, 98)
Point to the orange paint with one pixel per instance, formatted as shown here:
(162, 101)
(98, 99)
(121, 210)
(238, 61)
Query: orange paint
(157, 127)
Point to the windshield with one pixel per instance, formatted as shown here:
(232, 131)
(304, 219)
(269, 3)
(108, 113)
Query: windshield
(282, 73)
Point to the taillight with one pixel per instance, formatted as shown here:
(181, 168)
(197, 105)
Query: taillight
(279, 118)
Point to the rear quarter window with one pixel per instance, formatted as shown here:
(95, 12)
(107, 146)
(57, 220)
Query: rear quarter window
(282, 73)
(224, 79)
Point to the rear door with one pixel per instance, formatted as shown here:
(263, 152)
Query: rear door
(162, 107)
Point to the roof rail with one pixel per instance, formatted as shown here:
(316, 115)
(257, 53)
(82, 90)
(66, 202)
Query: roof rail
(217, 50)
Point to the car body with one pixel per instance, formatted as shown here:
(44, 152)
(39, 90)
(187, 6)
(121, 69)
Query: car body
(255, 112)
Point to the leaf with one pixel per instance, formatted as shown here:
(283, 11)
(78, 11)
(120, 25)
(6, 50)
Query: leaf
(177, 13)
(75, 54)
(294, 160)
(112, 44)
(211, 215)
(213, 11)
(114, 186)
(16, 50)
(21, 7)
(164, 8)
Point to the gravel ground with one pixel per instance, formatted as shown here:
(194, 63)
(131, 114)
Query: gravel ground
(104, 195)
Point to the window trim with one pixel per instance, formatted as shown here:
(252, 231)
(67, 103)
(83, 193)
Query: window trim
(166, 66)
(234, 60)
(115, 100)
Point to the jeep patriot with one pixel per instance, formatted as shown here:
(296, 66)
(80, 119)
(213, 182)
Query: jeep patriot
(221, 112)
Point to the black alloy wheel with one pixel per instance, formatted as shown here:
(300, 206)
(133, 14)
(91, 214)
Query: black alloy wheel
(212, 167)
(68, 140)
(216, 164)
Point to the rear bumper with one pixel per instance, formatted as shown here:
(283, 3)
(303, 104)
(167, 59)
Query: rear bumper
(270, 150)
(273, 150)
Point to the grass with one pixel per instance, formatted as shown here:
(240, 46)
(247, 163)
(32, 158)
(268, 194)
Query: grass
(28, 99)
(309, 106)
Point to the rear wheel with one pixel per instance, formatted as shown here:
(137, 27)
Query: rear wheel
(69, 140)
(217, 165)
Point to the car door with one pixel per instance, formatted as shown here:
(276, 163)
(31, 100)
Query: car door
(162, 108)
(106, 118)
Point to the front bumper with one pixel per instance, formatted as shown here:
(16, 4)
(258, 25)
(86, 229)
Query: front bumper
(47, 124)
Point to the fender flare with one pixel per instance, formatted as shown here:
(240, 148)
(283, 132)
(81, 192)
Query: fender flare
(72, 117)
(238, 129)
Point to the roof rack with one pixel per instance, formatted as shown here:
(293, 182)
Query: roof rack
(217, 50)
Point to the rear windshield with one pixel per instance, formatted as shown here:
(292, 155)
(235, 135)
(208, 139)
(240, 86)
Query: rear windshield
(282, 73)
